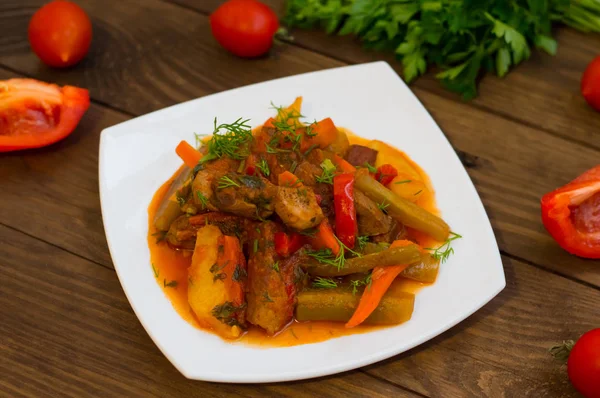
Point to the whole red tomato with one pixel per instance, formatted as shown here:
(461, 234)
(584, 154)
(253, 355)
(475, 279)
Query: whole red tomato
(60, 33)
(244, 27)
(590, 84)
(584, 364)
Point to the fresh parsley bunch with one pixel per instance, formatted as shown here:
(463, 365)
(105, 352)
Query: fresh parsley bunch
(462, 37)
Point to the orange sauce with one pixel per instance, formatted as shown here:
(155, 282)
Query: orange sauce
(171, 265)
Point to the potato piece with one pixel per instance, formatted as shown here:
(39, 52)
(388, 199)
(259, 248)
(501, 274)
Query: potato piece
(404, 186)
(216, 281)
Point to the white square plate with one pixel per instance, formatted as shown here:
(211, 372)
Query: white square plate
(137, 156)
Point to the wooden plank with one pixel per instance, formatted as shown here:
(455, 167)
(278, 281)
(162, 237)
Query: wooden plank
(542, 92)
(68, 330)
(511, 175)
(535, 311)
(140, 67)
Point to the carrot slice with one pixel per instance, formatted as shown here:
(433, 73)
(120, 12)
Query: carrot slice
(325, 238)
(269, 122)
(343, 164)
(190, 155)
(325, 133)
(230, 259)
(381, 280)
(288, 179)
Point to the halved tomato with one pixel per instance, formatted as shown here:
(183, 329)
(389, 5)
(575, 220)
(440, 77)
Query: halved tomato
(34, 114)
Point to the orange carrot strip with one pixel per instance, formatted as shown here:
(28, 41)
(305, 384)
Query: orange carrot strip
(288, 179)
(325, 238)
(190, 155)
(269, 122)
(381, 280)
(229, 259)
(343, 164)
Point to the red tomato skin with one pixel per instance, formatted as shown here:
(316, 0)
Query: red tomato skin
(590, 84)
(244, 27)
(60, 33)
(583, 365)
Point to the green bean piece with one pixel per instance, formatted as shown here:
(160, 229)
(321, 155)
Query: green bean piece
(398, 255)
(169, 209)
(401, 209)
(339, 304)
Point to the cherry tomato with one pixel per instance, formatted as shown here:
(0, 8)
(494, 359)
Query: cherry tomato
(590, 84)
(584, 364)
(244, 27)
(60, 33)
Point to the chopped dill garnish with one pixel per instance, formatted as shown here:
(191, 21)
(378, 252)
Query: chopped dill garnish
(402, 182)
(326, 256)
(155, 270)
(275, 266)
(372, 169)
(293, 166)
(233, 143)
(263, 166)
(172, 284)
(324, 283)
(226, 182)
(445, 250)
(255, 245)
(310, 148)
(203, 200)
(366, 281)
(180, 198)
(383, 206)
(267, 298)
(418, 192)
(329, 170)
(362, 241)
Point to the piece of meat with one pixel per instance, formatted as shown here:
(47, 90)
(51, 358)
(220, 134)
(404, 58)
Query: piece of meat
(398, 231)
(271, 291)
(371, 220)
(358, 155)
(298, 207)
(182, 232)
(247, 196)
(307, 172)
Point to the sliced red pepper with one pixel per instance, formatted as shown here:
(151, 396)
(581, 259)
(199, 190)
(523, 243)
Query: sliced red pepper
(34, 114)
(286, 245)
(386, 173)
(571, 214)
(346, 227)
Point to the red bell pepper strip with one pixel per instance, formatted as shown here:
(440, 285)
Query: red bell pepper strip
(286, 245)
(385, 174)
(346, 226)
(190, 155)
(325, 238)
(570, 214)
(34, 114)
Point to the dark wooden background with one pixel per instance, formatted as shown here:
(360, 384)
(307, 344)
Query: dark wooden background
(66, 328)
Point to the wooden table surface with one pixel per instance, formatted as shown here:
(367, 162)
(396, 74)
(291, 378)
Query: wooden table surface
(66, 327)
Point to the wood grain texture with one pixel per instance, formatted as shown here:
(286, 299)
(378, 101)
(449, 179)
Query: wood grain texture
(523, 163)
(542, 92)
(68, 330)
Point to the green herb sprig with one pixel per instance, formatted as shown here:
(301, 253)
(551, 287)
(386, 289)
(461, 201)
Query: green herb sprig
(445, 250)
(461, 37)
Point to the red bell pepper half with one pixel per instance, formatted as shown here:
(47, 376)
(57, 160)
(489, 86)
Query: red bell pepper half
(572, 214)
(346, 227)
(286, 245)
(34, 114)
